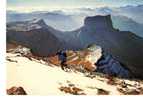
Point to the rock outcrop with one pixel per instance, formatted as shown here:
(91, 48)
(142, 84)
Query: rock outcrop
(107, 65)
(16, 91)
(83, 60)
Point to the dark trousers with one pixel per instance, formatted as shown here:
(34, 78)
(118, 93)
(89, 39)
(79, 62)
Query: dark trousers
(63, 64)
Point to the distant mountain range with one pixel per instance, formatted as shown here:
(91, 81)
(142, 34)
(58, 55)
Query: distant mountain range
(128, 18)
(133, 12)
(127, 24)
(124, 46)
(54, 19)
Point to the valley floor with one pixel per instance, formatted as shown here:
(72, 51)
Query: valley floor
(45, 79)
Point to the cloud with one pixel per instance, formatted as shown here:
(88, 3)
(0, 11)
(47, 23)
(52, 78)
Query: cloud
(34, 5)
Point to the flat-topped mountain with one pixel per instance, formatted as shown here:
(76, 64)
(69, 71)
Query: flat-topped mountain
(98, 22)
(125, 46)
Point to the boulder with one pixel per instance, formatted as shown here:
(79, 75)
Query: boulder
(16, 91)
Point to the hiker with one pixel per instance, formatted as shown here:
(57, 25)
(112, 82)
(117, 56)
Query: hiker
(63, 58)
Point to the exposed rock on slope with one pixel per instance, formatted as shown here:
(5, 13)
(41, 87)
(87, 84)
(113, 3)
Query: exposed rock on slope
(92, 60)
(108, 65)
(83, 60)
(16, 91)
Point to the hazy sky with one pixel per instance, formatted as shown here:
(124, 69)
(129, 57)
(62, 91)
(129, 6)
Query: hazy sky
(35, 5)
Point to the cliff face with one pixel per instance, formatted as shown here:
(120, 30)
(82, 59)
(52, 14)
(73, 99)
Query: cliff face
(44, 43)
(99, 22)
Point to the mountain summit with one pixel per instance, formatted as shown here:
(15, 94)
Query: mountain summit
(27, 25)
(40, 22)
(99, 22)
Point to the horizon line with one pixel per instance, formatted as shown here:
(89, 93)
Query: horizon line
(35, 9)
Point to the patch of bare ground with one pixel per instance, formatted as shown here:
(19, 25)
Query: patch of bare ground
(72, 90)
